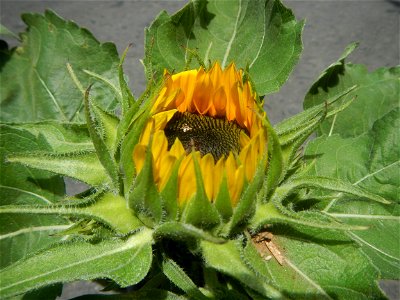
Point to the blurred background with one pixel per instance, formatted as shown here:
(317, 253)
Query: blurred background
(330, 26)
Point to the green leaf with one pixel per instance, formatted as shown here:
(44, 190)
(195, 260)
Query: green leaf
(181, 231)
(124, 261)
(330, 184)
(178, 276)
(370, 161)
(18, 183)
(51, 292)
(32, 89)
(84, 165)
(262, 35)
(268, 214)
(380, 242)
(290, 129)
(112, 210)
(377, 93)
(61, 137)
(105, 207)
(21, 234)
(7, 32)
(141, 294)
(227, 259)
(316, 264)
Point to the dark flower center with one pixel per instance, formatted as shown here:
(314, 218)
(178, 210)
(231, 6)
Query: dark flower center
(204, 134)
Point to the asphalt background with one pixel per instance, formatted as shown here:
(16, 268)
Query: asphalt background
(330, 26)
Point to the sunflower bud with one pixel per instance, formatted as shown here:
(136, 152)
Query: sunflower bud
(206, 131)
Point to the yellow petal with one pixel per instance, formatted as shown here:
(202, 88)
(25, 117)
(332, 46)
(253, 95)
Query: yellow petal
(177, 149)
(235, 187)
(139, 157)
(159, 145)
(207, 172)
(147, 132)
(244, 139)
(187, 180)
(218, 171)
(167, 163)
(219, 101)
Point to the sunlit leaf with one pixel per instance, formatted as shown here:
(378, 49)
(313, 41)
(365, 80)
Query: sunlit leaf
(21, 234)
(313, 264)
(377, 93)
(365, 153)
(263, 35)
(32, 89)
(125, 262)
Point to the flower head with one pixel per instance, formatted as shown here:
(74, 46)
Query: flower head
(208, 116)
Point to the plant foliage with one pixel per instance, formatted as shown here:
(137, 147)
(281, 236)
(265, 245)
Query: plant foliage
(321, 222)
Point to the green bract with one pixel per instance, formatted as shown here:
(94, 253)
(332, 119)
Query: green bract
(316, 221)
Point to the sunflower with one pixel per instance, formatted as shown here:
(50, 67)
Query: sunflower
(209, 116)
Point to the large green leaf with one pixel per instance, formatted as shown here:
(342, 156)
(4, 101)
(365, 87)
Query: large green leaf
(315, 264)
(381, 241)
(81, 165)
(21, 234)
(35, 81)
(360, 145)
(61, 137)
(105, 207)
(262, 35)
(227, 259)
(377, 93)
(124, 261)
(370, 161)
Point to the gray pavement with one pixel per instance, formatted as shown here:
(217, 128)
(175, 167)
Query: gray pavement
(330, 26)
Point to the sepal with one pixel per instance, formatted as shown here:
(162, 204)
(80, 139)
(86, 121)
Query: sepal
(103, 153)
(247, 203)
(128, 136)
(144, 197)
(223, 201)
(107, 127)
(169, 195)
(199, 211)
(128, 101)
(181, 231)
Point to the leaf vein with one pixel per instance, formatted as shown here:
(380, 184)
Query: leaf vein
(308, 279)
(34, 229)
(228, 48)
(27, 192)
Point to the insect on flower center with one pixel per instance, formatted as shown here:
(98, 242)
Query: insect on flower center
(205, 134)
